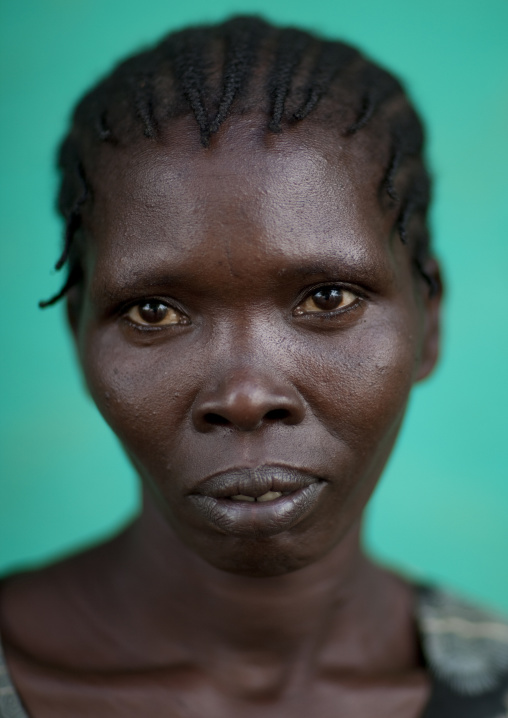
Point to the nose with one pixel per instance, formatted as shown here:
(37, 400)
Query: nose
(246, 401)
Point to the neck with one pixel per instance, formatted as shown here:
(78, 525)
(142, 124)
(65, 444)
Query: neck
(293, 618)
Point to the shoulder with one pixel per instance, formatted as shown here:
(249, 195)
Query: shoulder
(45, 612)
(466, 650)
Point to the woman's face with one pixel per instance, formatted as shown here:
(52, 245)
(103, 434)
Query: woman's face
(250, 327)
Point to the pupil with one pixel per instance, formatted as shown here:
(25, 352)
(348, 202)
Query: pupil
(153, 312)
(328, 298)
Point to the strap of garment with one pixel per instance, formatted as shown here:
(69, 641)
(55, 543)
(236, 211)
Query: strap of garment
(466, 651)
(10, 704)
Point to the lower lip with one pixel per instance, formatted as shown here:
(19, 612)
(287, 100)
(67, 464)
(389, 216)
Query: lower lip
(258, 518)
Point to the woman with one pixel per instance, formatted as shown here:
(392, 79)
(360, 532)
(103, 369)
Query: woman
(252, 294)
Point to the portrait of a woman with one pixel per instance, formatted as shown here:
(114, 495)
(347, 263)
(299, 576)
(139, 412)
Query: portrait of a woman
(252, 292)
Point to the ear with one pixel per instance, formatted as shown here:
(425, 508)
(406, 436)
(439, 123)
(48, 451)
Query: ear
(432, 295)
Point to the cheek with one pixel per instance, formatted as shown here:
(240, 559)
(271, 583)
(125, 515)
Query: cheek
(143, 392)
(359, 390)
(361, 381)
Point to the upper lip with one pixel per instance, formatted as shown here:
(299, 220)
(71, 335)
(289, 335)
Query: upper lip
(255, 481)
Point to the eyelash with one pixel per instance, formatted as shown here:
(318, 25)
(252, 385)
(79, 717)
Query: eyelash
(124, 311)
(329, 316)
(332, 314)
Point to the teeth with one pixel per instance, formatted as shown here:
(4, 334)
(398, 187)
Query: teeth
(269, 496)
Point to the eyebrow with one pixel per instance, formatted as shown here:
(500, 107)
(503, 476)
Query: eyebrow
(127, 282)
(336, 267)
(124, 285)
(313, 269)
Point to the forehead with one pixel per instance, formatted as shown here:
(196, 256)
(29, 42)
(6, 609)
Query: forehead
(305, 195)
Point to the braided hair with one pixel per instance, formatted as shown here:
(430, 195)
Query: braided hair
(247, 65)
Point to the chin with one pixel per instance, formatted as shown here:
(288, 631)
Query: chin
(258, 566)
(259, 558)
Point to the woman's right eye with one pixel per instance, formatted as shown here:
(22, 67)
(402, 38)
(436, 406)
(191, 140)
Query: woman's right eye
(155, 313)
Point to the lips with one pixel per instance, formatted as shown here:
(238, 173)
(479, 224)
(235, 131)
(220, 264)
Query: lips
(265, 500)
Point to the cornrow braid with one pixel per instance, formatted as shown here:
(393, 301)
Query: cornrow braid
(74, 219)
(291, 46)
(379, 86)
(407, 141)
(187, 54)
(143, 101)
(73, 223)
(74, 277)
(242, 65)
(242, 39)
(333, 58)
(416, 203)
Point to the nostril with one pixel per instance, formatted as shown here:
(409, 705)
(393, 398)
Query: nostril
(277, 414)
(219, 420)
(216, 419)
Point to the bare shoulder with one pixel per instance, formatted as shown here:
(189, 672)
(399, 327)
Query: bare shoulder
(46, 613)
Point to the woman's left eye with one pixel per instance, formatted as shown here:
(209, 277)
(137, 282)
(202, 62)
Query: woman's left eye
(326, 299)
(154, 313)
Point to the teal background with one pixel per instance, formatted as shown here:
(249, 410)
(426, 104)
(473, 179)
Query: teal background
(441, 511)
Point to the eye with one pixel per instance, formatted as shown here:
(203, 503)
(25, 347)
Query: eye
(326, 299)
(155, 313)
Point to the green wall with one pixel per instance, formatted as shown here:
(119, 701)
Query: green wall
(441, 512)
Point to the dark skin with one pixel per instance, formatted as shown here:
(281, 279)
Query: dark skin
(244, 306)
